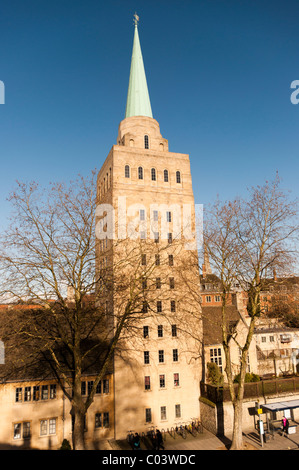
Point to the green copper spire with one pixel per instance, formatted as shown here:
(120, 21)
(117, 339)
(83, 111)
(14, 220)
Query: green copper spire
(138, 101)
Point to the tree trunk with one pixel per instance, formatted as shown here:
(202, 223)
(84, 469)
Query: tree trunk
(78, 428)
(237, 440)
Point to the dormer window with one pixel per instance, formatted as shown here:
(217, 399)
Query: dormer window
(146, 142)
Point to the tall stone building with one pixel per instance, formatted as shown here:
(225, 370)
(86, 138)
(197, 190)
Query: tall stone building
(146, 207)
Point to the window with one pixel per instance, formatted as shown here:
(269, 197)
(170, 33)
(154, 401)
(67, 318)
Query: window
(171, 282)
(98, 420)
(157, 260)
(52, 426)
(158, 283)
(99, 387)
(143, 260)
(159, 306)
(173, 330)
(215, 356)
(169, 236)
(27, 394)
(26, 430)
(83, 388)
(36, 393)
(17, 431)
(160, 331)
(172, 305)
(145, 332)
(45, 392)
(175, 355)
(18, 394)
(156, 216)
(217, 298)
(264, 339)
(144, 307)
(166, 176)
(43, 427)
(146, 142)
(146, 357)
(162, 381)
(147, 382)
(208, 298)
(142, 214)
(142, 235)
(148, 415)
(168, 216)
(144, 284)
(153, 174)
(52, 391)
(177, 410)
(140, 173)
(176, 380)
(163, 412)
(178, 177)
(161, 355)
(271, 339)
(89, 386)
(170, 260)
(106, 386)
(106, 420)
(47, 426)
(156, 237)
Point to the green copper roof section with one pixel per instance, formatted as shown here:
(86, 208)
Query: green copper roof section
(138, 101)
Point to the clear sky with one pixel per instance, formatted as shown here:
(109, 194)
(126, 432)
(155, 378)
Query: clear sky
(218, 72)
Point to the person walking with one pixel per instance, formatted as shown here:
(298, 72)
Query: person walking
(136, 442)
(285, 425)
(159, 440)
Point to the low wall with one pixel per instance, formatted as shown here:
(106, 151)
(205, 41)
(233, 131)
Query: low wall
(219, 418)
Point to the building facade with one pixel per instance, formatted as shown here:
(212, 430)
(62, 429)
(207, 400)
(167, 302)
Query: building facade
(148, 188)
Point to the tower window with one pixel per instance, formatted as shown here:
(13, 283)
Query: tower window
(160, 331)
(140, 173)
(146, 142)
(166, 176)
(127, 171)
(178, 176)
(153, 174)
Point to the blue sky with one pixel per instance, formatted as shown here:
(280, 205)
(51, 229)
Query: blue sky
(218, 72)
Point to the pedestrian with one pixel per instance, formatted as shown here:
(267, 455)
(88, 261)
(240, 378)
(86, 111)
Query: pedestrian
(136, 442)
(285, 425)
(159, 440)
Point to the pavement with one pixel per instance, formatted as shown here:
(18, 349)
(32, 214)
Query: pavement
(208, 441)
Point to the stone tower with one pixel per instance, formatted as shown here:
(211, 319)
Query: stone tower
(157, 370)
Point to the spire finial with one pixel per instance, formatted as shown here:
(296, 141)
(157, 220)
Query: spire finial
(136, 19)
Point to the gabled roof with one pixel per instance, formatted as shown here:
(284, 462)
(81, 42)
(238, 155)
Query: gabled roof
(212, 323)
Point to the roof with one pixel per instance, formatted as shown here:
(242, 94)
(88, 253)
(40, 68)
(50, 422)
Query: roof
(138, 101)
(212, 322)
(279, 406)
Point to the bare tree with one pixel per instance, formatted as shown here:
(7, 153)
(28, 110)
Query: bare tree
(49, 251)
(245, 239)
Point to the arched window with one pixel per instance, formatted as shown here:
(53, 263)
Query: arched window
(153, 174)
(146, 142)
(127, 171)
(166, 176)
(178, 176)
(140, 173)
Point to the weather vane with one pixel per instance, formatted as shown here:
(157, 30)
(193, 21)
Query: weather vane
(136, 19)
